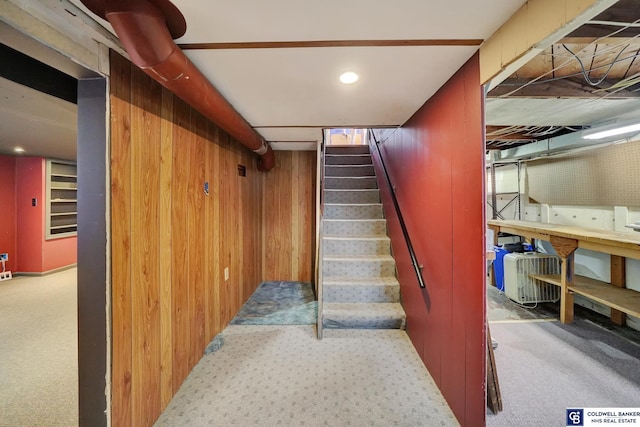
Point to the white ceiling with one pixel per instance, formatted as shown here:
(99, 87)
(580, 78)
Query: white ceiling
(294, 20)
(290, 94)
(41, 124)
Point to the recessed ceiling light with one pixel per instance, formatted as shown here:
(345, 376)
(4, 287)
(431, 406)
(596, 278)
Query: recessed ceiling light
(349, 77)
(18, 150)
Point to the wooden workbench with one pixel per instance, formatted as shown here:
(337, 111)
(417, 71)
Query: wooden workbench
(565, 240)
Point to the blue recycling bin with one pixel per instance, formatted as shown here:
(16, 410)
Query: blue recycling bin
(498, 266)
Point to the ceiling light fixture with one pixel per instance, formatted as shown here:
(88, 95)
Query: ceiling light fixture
(349, 77)
(619, 130)
(18, 150)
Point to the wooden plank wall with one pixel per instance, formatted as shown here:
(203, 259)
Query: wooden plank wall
(170, 243)
(289, 217)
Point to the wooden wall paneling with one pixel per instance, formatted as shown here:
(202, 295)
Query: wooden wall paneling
(285, 216)
(226, 216)
(246, 229)
(146, 100)
(258, 212)
(268, 221)
(196, 234)
(120, 240)
(216, 237)
(307, 236)
(288, 205)
(166, 166)
(255, 218)
(297, 209)
(237, 256)
(238, 242)
(171, 243)
(230, 208)
(180, 259)
(208, 226)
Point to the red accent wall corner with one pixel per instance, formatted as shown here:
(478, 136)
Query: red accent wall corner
(8, 210)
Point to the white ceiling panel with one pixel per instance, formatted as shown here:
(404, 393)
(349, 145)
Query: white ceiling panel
(300, 87)
(291, 134)
(295, 20)
(41, 124)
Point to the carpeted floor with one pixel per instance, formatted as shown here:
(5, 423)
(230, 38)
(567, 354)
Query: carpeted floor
(545, 367)
(279, 303)
(283, 376)
(38, 351)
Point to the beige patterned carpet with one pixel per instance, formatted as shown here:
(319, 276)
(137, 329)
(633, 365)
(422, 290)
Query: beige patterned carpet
(38, 351)
(284, 376)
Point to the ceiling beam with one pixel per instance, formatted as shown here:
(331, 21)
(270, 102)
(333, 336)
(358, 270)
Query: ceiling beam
(330, 43)
(512, 136)
(623, 12)
(532, 29)
(601, 40)
(564, 88)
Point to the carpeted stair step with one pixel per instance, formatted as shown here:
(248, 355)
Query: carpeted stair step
(363, 315)
(356, 159)
(348, 170)
(345, 246)
(358, 266)
(347, 149)
(361, 289)
(350, 182)
(354, 227)
(352, 196)
(353, 211)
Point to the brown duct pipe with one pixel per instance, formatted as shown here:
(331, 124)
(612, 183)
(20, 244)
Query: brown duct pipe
(147, 28)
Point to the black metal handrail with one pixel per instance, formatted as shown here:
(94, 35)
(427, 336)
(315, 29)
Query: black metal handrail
(414, 260)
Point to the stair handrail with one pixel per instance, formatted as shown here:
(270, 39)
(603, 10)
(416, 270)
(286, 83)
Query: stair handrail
(414, 260)
(319, 228)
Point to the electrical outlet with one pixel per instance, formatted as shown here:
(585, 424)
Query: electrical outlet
(226, 274)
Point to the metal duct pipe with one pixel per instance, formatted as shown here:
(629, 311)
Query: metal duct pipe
(147, 28)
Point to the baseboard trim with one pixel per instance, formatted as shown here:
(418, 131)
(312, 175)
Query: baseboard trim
(44, 273)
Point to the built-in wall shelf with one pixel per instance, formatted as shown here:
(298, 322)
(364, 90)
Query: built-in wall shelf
(62, 198)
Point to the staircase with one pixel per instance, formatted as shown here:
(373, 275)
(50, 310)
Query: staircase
(360, 289)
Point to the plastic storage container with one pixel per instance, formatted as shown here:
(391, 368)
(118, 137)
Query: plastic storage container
(498, 266)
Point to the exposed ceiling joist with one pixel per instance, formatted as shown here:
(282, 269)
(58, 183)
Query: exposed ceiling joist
(621, 18)
(503, 133)
(562, 88)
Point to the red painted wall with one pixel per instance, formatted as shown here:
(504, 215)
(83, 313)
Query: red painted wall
(8, 210)
(30, 184)
(436, 163)
(58, 253)
(34, 253)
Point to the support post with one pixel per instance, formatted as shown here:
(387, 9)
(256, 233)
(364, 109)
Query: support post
(565, 249)
(618, 279)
